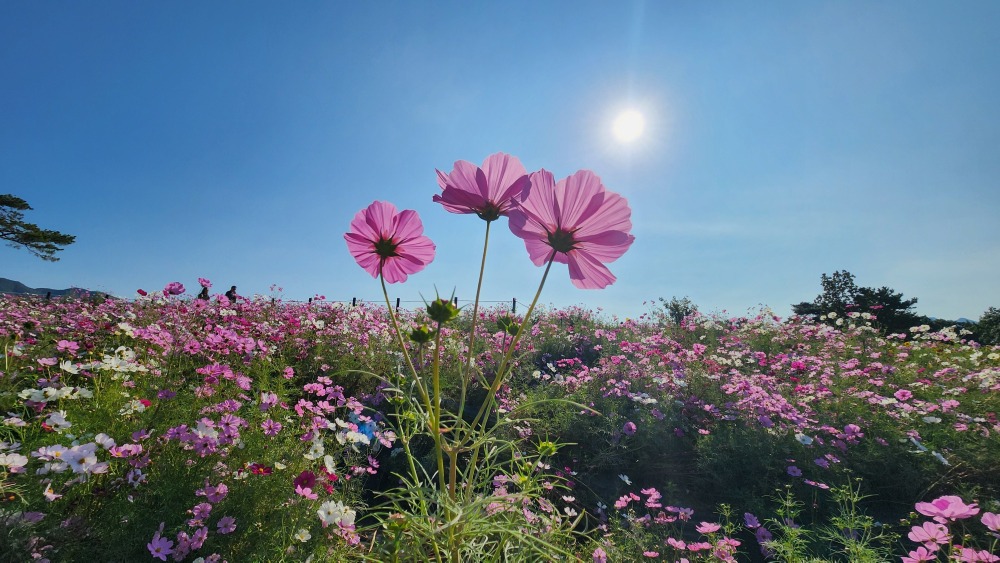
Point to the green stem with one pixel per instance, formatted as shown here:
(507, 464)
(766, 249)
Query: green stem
(399, 338)
(470, 355)
(436, 405)
(498, 379)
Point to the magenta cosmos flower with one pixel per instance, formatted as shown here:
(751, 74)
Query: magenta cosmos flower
(947, 508)
(489, 190)
(384, 241)
(575, 221)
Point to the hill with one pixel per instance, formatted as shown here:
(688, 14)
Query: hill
(18, 288)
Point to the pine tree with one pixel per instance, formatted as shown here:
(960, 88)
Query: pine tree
(43, 243)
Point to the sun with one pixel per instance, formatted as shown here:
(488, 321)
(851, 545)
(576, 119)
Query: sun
(629, 126)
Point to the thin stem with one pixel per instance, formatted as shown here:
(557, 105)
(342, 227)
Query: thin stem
(498, 379)
(517, 337)
(402, 345)
(467, 367)
(436, 405)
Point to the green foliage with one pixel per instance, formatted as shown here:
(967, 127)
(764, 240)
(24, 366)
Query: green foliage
(842, 296)
(676, 309)
(43, 243)
(988, 328)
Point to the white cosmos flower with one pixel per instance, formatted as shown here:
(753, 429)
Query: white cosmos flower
(335, 513)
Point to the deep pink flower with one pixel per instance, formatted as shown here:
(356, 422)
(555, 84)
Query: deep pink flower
(488, 191)
(204, 283)
(576, 222)
(174, 288)
(384, 241)
(903, 395)
(629, 429)
(947, 508)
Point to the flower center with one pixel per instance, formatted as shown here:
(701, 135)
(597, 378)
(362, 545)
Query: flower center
(386, 248)
(562, 241)
(489, 212)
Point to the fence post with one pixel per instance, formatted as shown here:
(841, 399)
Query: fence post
(354, 302)
(455, 301)
(513, 307)
(397, 304)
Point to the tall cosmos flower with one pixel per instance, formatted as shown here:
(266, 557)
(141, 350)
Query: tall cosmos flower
(489, 190)
(575, 221)
(384, 241)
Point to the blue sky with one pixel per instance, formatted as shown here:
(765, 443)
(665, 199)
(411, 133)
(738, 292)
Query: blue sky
(236, 140)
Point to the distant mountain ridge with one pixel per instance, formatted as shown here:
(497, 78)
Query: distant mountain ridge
(17, 288)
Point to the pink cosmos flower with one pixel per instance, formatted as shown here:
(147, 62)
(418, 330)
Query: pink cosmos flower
(921, 554)
(160, 547)
(576, 222)
(204, 283)
(947, 508)
(488, 191)
(174, 288)
(930, 534)
(629, 429)
(969, 555)
(384, 241)
(707, 528)
(226, 525)
(991, 521)
(600, 556)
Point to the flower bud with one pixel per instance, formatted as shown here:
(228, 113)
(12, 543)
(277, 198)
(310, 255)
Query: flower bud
(508, 324)
(422, 334)
(442, 310)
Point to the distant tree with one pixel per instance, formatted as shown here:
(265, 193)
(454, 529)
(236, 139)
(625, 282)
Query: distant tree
(839, 291)
(988, 328)
(43, 243)
(841, 295)
(676, 309)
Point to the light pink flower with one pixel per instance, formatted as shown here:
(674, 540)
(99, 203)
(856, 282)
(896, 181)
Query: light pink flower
(947, 508)
(920, 554)
(160, 547)
(707, 528)
(930, 534)
(576, 222)
(384, 241)
(488, 191)
(903, 395)
(991, 521)
(969, 555)
(204, 283)
(600, 556)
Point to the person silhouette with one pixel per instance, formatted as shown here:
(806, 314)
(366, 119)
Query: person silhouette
(204, 294)
(231, 294)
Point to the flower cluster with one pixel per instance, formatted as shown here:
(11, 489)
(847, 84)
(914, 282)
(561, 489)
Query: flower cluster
(574, 221)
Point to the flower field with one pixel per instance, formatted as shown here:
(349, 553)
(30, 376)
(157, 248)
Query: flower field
(188, 430)
(232, 429)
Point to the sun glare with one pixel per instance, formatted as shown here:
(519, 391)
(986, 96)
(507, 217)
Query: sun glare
(629, 126)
